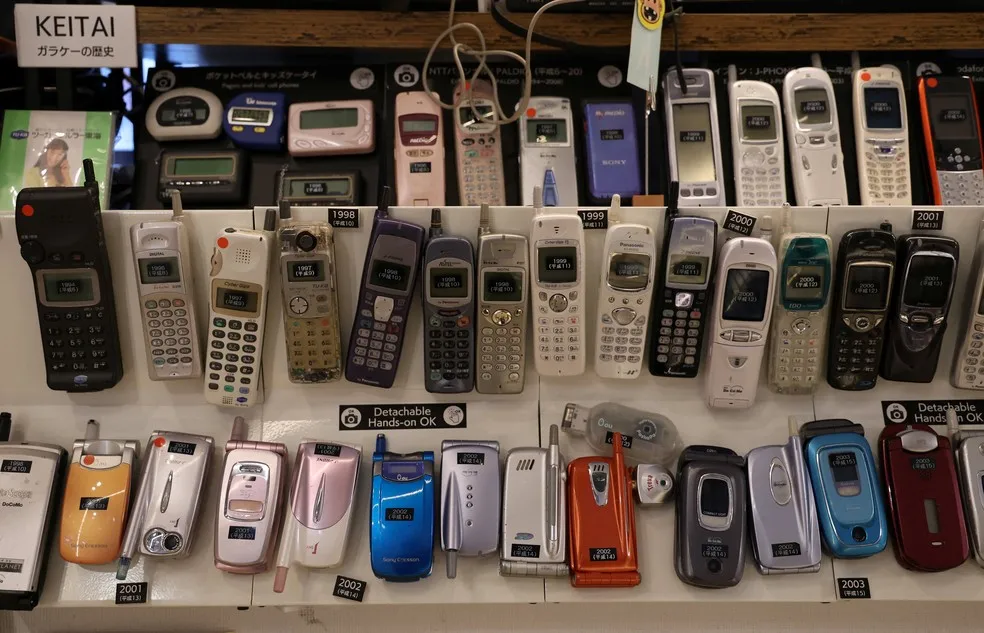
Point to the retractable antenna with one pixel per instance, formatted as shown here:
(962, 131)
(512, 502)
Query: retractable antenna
(816, 61)
(732, 75)
(614, 209)
(177, 207)
(382, 210)
(484, 220)
(6, 421)
(284, 210)
(650, 108)
(90, 174)
(953, 425)
(91, 431)
(855, 61)
(673, 200)
(381, 443)
(673, 15)
(785, 222)
(436, 230)
(270, 222)
(240, 431)
(537, 200)
(886, 226)
(765, 230)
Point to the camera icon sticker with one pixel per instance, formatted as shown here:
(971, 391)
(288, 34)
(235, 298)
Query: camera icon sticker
(351, 418)
(406, 75)
(896, 412)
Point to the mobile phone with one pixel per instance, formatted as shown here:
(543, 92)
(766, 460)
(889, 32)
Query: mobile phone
(205, 178)
(624, 298)
(322, 188)
(929, 532)
(683, 299)
(255, 120)
(534, 511)
(61, 237)
(881, 133)
(449, 311)
(710, 517)
(25, 533)
(612, 151)
(310, 299)
(694, 139)
(322, 502)
(815, 154)
(162, 523)
(968, 449)
(184, 114)
(757, 144)
(385, 294)
(862, 290)
(471, 499)
(331, 128)
(162, 261)
(478, 146)
(419, 151)
(952, 132)
(925, 277)
(503, 270)
(251, 501)
(546, 152)
(799, 325)
(968, 371)
(743, 296)
(401, 531)
(237, 313)
(97, 498)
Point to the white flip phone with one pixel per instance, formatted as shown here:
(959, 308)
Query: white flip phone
(815, 154)
(557, 256)
(757, 144)
(743, 296)
(694, 138)
(624, 297)
(478, 147)
(546, 152)
(881, 133)
(968, 360)
(162, 260)
(471, 499)
(419, 151)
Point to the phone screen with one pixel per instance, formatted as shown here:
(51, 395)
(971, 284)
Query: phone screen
(745, 295)
(805, 283)
(694, 142)
(687, 269)
(952, 117)
(927, 283)
(556, 264)
(389, 275)
(867, 287)
(844, 469)
(882, 109)
(714, 498)
(629, 271)
(812, 106)
(329, 118)
(305, 270)
(502, 287)
(449, 283)
(546, 131)
(237, 300)
(159, 270)
(758, 123)
(68, 287)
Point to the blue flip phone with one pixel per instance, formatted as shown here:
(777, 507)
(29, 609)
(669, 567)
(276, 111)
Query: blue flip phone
(401, 532)
(255, 120)
(850, 506)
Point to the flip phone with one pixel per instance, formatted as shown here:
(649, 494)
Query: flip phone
(61, 237)
(968, 371)
(470, 500)
(322, 502)
(710, 514)
(952, 132)
(849, 498)
(534, 512)
(97, 498)
(611, 150)
(647, 438)
(969, 453)
(478, 145)
(929, 532)
(401, 533)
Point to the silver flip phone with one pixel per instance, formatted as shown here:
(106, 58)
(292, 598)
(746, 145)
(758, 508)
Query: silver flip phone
(162, 523)
(534, 512)
(969, 450)
(470, 499)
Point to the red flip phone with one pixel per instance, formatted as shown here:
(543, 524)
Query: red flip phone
(928, 528)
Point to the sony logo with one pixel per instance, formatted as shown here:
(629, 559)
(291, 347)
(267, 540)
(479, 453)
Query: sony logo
(614, 162)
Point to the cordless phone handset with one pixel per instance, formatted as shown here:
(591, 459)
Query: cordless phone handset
(968, 369)
(478, 146)
(968, 447)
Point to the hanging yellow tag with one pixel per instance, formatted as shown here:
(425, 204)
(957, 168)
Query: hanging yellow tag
(650, 13)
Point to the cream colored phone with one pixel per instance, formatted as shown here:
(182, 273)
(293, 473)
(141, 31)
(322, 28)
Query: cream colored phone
(419, 151)
(882, 137)
(478, 147)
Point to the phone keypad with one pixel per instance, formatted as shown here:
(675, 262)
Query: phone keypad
(680, 326)
(855, 356)
(798, 350)
(623, 333)
(481, 171)
(961, 188)
(233, 358)
(559, 327)
(449, 341)
(169, 331)
(972, 367)
(761, 182)
(378, 340)
(75, 340)
(887, 168)
(501, 352)
(312, 347)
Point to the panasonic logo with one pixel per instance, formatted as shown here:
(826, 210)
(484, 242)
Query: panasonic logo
(614, 162)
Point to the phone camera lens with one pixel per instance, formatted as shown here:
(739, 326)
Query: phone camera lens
(172, 542)
(859, 534)
(714, 566)
(306, 241)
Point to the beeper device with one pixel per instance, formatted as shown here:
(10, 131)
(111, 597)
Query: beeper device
(255, 120)
(205, 178)
(184, 114)
(325, 188)
(331, 128)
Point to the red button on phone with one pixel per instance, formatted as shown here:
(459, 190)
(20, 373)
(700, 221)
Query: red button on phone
(88, 459)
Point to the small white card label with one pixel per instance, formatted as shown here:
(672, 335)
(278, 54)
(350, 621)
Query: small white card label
(75, 36)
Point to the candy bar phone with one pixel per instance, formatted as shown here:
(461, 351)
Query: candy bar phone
(503, 270)
(865, 274)
(31, 473)
(743, 299)
(329, 188)
(61, 237)
(419, 151)
(449, 311)
(881, 133)
(471, 499)
(205, 178)
(683, 300)
(546, 152)
(693, 137)
(322, 502)
(310, 299)
(799, 324)
(255, 120)
(952, 132)
(534, 512)
(926, 277)
(710, 514)
(237, 313)
(556, 248)
(97, 498)
(331, 128)
(611, 150)
(162, 523)
(785, 531)
(478, 146)
(849, 498)
(647, 438)
(815, 154)
(401, 531)
(162, 258)
(968, 447)
(757, 144)
(251, 500)
(624, 298)
(385, 294)
(929, 532)
(968, 370)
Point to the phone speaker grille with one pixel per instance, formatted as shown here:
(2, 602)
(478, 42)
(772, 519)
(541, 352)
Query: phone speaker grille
(598, 467)
(243, 256)
(525, 464)
(227, 400)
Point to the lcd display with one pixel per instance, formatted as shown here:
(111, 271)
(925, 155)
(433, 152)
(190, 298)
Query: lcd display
(928, 280)
(546, 131)
(687, 269)
(420, 167)
(612, 135)
(325, 187)
(251, 115)
(181, 448)
(882, 109)
(694, 145)
(449, 283)
(502, 287)
(418, 126)
(804, 283)
(758, 123)
(745, 295)
(329, 118)
(159, 270)
(467, 119)
(812, 106)
(68, 287)
(384, 274)
(629, 271)
(305, 270)
(952, 118)
(556, 264)
(867, 287)
(328, 450)
(242, 533)
(471, 459)
(211, 166)
(237, 300)
(714, 498)
(844, 469)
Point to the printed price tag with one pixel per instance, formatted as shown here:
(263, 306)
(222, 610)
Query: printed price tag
(343, 218)
(131, 593)
(594, 218)
(853, 589)
(739, 222)
(927, 220)
(349, 588)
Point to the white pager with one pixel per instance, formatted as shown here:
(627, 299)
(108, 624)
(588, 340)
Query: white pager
(546, 152)
(557, 257)
(743, 296)
(331, 128)
(694, 138)
(418, 148)
(881, 135)
(757, 144)
(624, 297)
(815, 154)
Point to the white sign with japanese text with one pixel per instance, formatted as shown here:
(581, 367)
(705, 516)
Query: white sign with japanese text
(75, 36)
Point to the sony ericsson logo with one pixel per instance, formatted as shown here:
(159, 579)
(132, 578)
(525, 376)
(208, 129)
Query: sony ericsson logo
(19, 134)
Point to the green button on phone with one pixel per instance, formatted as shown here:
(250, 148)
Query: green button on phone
(228, 388)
